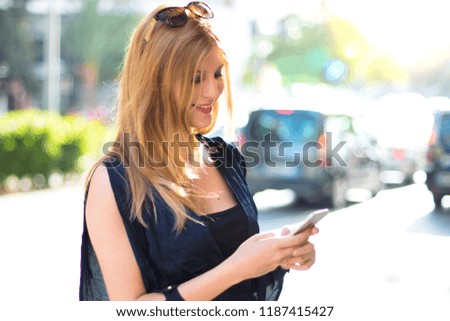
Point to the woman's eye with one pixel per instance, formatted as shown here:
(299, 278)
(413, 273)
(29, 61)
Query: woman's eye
(197, 79)
(218, 73)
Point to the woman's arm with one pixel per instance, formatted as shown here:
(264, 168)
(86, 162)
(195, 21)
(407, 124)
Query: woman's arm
(110, 241)
(260, 254)
(257, 256)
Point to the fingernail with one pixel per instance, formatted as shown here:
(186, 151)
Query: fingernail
(285, 231)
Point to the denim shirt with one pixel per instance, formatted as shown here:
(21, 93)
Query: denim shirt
(166, 258)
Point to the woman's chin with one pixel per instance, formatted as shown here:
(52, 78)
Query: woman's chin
(202, 121)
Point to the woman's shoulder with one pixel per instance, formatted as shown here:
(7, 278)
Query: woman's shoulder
(108, 185)
(116, 170)
(99, 193)
(99, 183)
(99, 175)
(109, 174)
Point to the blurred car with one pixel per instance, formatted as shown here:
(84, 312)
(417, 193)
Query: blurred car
(402, 128)
(438, 158)
(399, 164)
(317, 156)
(361, 154)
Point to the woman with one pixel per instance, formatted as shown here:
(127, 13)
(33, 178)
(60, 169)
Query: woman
(168, 215)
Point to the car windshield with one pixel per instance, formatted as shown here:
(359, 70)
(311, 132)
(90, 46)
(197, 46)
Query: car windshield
(297, 126)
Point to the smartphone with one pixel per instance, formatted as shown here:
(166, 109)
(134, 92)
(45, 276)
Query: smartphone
(311, 219)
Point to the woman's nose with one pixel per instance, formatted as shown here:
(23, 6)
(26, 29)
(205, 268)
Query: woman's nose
(210, 88)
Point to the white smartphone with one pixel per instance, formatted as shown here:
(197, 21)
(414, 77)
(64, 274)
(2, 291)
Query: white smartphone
(311, 219)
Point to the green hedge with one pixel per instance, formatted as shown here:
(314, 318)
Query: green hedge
(34, 142)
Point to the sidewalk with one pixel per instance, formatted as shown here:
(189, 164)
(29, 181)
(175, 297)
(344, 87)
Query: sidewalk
(40, 237)
(365, 274)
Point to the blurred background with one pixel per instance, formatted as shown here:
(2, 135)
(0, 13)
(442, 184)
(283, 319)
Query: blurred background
(374, 74)
(386, 62)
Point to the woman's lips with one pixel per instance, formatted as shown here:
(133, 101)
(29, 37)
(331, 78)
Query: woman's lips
(206, 109)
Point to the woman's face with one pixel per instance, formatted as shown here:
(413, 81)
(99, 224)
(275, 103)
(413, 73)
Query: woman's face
(208, 86)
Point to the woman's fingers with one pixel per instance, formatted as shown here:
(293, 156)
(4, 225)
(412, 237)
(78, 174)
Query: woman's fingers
(263, 252)
(311, 231)
(261, 236)
(301, 258)
(308, 247)
(298, 252)
(303, 266)
(297, 240)
(285, 231)
(299, 264)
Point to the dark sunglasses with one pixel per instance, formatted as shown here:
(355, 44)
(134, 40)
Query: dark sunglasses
(177, 17)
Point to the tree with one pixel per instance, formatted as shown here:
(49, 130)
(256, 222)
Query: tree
(16, 55)
(93, 44)
(365, 62)
(331, 51)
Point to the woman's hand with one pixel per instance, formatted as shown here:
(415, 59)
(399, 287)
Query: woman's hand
(263, 253)
(304, 256)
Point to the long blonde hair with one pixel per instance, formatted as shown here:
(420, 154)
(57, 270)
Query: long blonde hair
(148, 111)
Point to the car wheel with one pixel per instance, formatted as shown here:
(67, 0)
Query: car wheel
(437, 200)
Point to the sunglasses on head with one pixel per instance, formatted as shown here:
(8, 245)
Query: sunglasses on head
(177, 16)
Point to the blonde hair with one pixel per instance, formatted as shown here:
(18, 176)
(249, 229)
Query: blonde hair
(150, 111)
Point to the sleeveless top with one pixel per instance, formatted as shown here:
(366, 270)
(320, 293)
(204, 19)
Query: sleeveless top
(166, 258)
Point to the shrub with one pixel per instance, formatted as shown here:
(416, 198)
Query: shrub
(34, 142)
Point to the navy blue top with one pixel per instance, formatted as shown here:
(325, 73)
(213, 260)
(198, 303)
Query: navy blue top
(166, 258)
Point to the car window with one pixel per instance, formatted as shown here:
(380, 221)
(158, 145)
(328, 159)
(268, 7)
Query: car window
(295, 126)
(445, 130)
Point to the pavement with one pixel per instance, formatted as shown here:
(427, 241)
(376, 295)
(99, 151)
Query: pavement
(40, 237)
(371, 264)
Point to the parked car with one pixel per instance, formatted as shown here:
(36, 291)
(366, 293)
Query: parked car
(399, 164)
(361, 154)
(317, 156)
(438, 158)
(402, 127)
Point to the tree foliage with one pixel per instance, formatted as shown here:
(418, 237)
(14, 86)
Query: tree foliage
(98, 39)
(332, 51)
(16, 50)
(93, 46)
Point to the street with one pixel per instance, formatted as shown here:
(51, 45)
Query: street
(384, 259)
